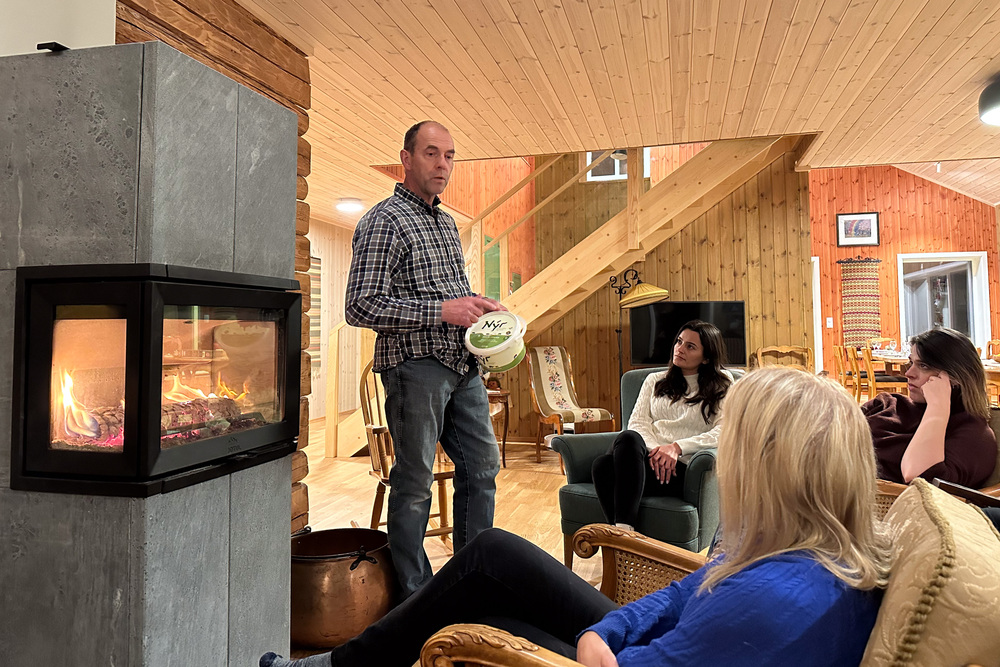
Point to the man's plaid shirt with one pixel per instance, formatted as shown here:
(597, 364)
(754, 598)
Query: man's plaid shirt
(407, 261)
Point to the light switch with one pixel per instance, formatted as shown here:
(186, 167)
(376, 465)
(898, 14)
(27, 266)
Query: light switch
(829, 323)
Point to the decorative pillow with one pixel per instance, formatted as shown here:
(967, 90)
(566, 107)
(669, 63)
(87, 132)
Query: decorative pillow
(942, 605)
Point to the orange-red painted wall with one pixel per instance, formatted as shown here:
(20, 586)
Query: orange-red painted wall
(915, 215)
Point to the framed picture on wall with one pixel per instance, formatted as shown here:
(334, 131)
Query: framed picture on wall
(857, 229)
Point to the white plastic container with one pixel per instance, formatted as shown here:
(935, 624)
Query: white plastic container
(497, 338)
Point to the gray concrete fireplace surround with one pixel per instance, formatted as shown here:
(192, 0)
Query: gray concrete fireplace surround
(138, 154)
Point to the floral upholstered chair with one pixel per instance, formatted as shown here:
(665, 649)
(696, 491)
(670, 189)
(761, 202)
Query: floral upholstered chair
(554, 396)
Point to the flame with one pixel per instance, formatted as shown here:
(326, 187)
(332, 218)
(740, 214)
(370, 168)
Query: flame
(180, 392)
(76, 419)
(225, 391)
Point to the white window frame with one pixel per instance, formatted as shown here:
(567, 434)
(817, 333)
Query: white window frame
(617, 176)
(981, 325)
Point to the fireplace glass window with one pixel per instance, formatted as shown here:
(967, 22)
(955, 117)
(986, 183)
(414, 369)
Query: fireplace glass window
(88, 379)
(220, 372)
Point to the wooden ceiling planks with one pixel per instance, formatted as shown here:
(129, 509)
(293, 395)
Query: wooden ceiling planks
(881, 81)
(979, 179)
(904, 62)
(909, 81)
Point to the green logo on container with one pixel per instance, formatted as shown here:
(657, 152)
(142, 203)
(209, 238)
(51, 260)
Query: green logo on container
(485, 341)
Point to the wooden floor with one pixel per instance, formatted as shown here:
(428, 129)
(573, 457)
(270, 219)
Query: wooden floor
(341, 491)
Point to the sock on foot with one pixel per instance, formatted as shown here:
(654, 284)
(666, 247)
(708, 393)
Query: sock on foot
(274, 660)
(626, 526)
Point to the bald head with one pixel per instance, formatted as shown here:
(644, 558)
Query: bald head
(410, 138)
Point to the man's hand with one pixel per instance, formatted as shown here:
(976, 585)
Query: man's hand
(466, 310)
(593, 652)
(663, 461)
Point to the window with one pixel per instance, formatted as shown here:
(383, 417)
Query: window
(944, 290)
(611, 169)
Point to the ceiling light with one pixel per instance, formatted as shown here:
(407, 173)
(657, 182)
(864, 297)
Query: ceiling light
(619, 154)
(989, 104)
(350, 205)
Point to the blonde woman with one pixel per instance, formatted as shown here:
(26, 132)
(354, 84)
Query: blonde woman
(796, 581)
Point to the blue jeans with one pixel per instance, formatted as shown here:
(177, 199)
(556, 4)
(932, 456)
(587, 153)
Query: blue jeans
(425, 403)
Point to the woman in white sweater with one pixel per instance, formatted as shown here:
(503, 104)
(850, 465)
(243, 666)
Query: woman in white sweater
(676, 414)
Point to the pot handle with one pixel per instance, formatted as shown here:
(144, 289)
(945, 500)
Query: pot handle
(361, 555)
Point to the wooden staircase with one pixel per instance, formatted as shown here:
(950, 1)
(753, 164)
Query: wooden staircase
(649, 220)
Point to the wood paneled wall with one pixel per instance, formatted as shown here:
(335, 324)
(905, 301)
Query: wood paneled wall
(915, 215)
(476, 184)
(576, 212)
(752, 246)
(226, 37)
(332, 244)
(665, 159)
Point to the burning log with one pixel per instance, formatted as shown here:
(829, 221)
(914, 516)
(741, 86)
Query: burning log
(110, 421)
(197, 413)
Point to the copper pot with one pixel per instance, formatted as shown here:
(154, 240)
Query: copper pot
(342, 582)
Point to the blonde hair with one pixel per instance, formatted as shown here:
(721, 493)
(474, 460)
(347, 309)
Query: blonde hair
(797, 472)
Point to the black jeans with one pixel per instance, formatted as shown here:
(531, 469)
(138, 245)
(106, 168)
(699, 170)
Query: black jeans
(623, 476)
(499, 579)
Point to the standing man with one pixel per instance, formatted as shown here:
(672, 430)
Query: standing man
(408, 283)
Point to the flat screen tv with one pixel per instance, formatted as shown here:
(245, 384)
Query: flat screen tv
(654, 329)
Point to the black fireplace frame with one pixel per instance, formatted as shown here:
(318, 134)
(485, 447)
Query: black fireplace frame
(140, 292)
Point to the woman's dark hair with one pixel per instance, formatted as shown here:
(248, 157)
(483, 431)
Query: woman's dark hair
(952, 352)
(712, 382)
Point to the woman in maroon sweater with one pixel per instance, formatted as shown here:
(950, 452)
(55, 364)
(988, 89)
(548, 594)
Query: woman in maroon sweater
(942, 428)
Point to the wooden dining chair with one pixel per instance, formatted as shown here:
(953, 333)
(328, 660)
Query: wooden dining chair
(383, 456)
(879, 382)
(859, 375)
(847, 375)
(801, 356)
(992, 348)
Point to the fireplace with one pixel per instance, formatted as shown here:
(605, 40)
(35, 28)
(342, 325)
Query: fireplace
(138, 379)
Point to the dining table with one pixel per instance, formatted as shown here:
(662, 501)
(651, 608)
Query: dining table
(895, 362)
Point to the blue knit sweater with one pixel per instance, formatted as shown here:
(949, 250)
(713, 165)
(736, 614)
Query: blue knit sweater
(786, 609)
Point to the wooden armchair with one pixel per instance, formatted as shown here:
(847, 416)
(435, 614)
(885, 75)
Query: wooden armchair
(382, 455)
(554, 395)
(800, 356)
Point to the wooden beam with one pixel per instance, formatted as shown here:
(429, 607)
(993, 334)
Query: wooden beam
(634, 180)
(539, 206)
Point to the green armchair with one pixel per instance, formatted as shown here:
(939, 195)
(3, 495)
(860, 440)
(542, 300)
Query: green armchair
(688, 522)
